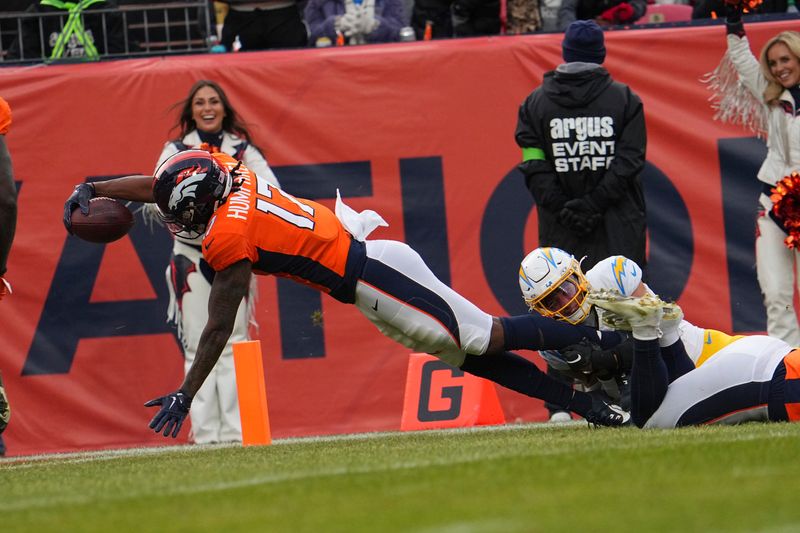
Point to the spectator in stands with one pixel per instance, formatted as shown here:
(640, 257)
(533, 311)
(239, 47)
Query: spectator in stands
(763, 94)
(455, 18)
(523, 16)
(604, 12)
(704, 9)
(8, 224)
(261, 25)
(208, 119)
(591, 206)
(356, 21)
(528, 16)
(78, 34)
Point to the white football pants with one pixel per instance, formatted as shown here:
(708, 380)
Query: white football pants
(409, 304)
(776, 267)
(729, 388)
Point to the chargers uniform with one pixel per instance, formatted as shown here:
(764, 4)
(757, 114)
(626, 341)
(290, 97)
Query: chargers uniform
(387, 280)
(624, 275)
(737, 378)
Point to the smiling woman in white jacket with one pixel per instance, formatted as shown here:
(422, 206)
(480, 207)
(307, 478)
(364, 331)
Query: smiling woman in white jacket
(207, 120)
(768, 101)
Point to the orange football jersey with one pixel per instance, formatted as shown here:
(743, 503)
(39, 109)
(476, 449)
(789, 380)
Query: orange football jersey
(5, 117)
(283, 235)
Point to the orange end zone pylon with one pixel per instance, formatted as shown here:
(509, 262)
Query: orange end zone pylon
(441, 396)
(252, 391)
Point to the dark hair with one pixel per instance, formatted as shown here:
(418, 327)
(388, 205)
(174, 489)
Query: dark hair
(230, 123)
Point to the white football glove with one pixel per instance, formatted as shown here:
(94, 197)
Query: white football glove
(368, 25)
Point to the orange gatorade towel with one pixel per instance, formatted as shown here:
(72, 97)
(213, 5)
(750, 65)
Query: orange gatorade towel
(5, 117)
(792, 396)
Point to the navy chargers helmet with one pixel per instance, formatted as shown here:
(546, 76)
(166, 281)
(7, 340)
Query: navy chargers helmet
(553, 285)
(187, 188)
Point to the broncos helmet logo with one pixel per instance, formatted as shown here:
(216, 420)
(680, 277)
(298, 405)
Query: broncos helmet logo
(185, 187)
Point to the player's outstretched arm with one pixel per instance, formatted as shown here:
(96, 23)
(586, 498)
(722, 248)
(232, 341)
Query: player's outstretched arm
(229, 287)
(137, 188)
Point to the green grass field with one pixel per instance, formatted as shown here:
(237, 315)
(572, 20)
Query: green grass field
(510, 478)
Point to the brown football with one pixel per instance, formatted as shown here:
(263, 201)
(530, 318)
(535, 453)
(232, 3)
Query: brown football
(108, 220)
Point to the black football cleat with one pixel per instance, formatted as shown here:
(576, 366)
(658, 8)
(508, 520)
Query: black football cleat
(605, 413)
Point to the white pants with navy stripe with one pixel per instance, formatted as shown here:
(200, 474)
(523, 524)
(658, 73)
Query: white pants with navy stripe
(215, 407)
(409, 304)
(730, 387)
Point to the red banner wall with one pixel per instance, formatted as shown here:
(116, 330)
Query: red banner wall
(402, 110)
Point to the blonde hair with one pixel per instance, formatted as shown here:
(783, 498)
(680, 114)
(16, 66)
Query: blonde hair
(774, 89)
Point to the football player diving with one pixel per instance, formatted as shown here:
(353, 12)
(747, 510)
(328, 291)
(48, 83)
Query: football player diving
(680, 374)
(553, 284)
(251, 226)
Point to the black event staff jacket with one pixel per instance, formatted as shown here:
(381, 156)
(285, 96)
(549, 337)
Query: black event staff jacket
(583, 134)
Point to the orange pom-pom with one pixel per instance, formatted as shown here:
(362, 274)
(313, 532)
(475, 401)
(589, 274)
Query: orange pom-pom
(786, 207)
(745, 5)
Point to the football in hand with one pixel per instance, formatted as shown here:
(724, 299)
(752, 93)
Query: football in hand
(108, 220)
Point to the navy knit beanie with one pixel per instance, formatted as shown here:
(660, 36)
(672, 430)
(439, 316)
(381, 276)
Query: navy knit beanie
(583, 41)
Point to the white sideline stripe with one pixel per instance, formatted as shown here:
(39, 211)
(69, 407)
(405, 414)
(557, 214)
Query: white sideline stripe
(28, 461)
(74, 499)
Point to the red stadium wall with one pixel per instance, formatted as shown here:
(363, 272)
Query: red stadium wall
(420, 132)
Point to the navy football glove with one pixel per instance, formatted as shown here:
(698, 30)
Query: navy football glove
(588, 357)
(79, 198)
(579, 356)
(174, 408)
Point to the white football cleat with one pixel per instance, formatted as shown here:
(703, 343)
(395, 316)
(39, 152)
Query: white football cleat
(642, 315)
(670, 325)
